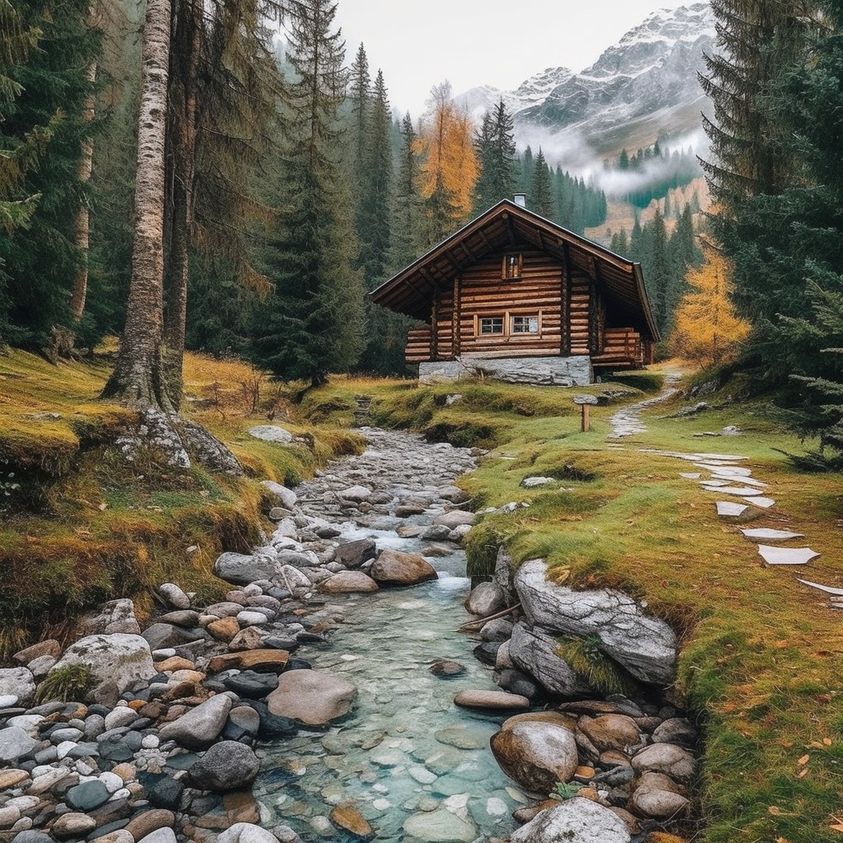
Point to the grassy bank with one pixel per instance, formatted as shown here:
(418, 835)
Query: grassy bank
(80, 525)
(761, 654)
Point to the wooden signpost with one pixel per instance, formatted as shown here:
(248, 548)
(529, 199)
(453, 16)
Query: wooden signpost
(585, 402)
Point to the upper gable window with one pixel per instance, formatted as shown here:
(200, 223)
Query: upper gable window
(512, 267)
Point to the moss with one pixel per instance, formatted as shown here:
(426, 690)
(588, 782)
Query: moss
(648, 381)
(595, 669)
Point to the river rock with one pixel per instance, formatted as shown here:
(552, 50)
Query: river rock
(262, 659)
(575, 820)
(667, 758)
(286, 497)
(354, 554)
(536, 753)
(246, 833)
(200, 726)
(535, 652)
(174, 595)
(644, 645)
(271, 433)
(160, 835)
(676, 730)
(355, 494)
(347, 818)
(224, 629)
(485, 599)
(659, 797)
(455, 518)
(502, 576)
(163, 636)
(15, 743)
(48, 647)
(87, 796)
(440, 826)
(610, 731)
(116, 616)
(311, 697)
(393, 567)
(17, 682)
(349, 582)
(119, 658)
(498, 629)
(447, 668)
(147, 822)
(226, 766)
(242, 569)
(491, 700)
(72, 825)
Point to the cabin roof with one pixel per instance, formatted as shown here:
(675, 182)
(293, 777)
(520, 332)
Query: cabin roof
(410, 291)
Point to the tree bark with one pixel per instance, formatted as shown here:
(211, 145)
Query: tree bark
(185, 118)
(137, 378)
(81, 219)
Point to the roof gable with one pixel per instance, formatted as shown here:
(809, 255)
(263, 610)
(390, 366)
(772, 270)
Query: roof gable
(507, 225)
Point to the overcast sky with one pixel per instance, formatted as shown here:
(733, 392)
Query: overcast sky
(418, 43)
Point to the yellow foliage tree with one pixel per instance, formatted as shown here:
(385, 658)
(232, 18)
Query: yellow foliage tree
(449, 163)
(706, 328)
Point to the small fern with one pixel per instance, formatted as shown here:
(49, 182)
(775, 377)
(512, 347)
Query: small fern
(594, 667)
(71, 682)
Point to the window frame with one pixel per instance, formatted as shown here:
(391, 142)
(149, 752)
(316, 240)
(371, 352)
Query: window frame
(508, 316)
(481, 319)
(518, 266)
(530, 317)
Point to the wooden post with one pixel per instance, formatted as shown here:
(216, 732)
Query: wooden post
(585, 402)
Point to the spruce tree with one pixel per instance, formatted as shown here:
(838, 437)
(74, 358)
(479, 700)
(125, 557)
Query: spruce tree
(359, 94)
(408, 236)
(311, 323)
(495, 147)
(541, 194)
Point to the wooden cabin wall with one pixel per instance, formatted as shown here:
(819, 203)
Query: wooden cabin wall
(482, 292)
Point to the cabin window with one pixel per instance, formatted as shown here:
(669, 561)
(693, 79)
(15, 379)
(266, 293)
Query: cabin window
(491, 325)
(525, 324)
(512, 266)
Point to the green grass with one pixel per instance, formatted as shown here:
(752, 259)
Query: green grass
(761, 654)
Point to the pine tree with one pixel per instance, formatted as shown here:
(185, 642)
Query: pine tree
(656, 267)
(495, 147)
(310, 325)
(360, 93)
(541, 196)
(407, 210)
(707, 330)
(44, 85)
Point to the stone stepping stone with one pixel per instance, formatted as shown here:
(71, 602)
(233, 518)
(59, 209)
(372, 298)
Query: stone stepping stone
(764, 503)
(726, 470)
(730, 509)
(691, 475)
(747, 481)
(786, 555)
(766, 534)
(719, 457)
(715, 484)
(740, 491)
(828, 589)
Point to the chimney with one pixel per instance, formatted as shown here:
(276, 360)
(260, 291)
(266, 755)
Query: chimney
(521, 200)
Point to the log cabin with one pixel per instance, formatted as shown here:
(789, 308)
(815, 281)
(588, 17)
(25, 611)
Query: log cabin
(516, 297)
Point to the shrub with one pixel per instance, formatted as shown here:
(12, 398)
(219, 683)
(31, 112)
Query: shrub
(71, 682)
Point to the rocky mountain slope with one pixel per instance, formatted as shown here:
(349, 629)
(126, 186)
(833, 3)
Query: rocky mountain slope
(643, 86)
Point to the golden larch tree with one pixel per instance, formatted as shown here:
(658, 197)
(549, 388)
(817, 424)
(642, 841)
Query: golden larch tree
(707, 330)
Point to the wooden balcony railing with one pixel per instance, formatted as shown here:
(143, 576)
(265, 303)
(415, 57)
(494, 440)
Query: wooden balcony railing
(621, 347)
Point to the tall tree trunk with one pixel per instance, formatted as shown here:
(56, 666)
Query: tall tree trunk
(138, 375)
(186, 66)
(81, 219)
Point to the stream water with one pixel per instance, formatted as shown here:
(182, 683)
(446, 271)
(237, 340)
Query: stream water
(416, 766)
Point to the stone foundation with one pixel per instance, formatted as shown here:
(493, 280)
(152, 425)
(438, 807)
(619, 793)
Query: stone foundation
(540, 371)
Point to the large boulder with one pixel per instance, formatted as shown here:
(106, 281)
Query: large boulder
(576, 820)
(199, 727)
(659, 797)
(455, 518)
(674, 761)
(537, 752)
(485, 599)
(246, 833)
(226, 766)
(311, 697)
(118, 658)
(284, 496)
(271, 433)
(534, 652)
(502, 576)
(393, 567)
(114, 616)
(243, 569)
(644, 645)
(610, 731)
(17, 682)
(349, 582)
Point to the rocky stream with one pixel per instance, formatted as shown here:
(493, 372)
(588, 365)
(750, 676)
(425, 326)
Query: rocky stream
(331, 695)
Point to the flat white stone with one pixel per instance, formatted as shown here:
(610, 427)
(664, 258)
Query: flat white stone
(747, 481)
(741, 491)
(764, 503)
(826, 588)
(728, 470)
(703, 457)
(766, 534)
(691, 475)
(714, 484)
(786, 555)
(731, 509)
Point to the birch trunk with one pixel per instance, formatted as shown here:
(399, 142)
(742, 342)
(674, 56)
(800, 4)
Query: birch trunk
(81, 220)
(137, 377)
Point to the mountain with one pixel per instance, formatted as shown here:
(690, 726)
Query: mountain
(533, 91)
(638, 89)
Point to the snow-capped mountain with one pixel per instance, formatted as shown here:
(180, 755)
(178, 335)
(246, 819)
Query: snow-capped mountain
(641, 87)
(533, 91)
